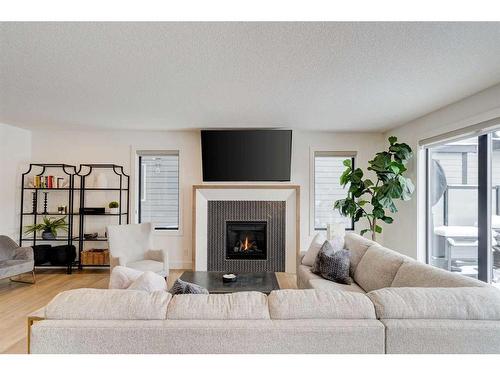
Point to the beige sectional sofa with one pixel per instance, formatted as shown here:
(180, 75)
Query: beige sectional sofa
(128, 321)
(423, 309)
(395, 305)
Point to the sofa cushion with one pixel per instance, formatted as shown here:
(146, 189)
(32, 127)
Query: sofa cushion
(149, 282)
(304, 274)
(319, 304)
(378, 267)
(357, 245)
(311, 253)
(437, 303)
(108, 304)
(232, 306)
(323, 284)
(422, 275)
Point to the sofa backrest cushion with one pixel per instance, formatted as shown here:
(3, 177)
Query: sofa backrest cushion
(416, 274)
(108, 304)
(437, 303)
(378, 267)
(357, 245)
(232, 306)
(319, 304)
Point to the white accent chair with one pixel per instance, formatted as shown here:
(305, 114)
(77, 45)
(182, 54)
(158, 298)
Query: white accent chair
(131, 246)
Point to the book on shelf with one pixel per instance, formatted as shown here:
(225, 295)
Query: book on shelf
(48, 182)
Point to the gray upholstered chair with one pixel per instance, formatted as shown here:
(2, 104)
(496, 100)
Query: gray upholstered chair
(15, 260)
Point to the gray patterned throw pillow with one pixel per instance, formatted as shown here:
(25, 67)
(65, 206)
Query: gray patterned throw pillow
(183, 287)
(333, 265)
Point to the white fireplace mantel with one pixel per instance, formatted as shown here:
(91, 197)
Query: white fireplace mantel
(286, 192)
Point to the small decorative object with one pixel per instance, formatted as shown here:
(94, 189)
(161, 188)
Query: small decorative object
(229, 278)
(101, 181)
(49, 227)
(389, 168)
(90, 236)
(63, 209)
(337, 228)
(34, 198)
(113, 207)
(45, 202)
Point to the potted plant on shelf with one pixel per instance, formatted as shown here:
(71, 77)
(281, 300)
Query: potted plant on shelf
(391, 185)
(113, 207)
(49, 227)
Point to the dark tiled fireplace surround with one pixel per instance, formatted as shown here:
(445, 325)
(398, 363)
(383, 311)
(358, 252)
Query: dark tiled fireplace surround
(256, 238)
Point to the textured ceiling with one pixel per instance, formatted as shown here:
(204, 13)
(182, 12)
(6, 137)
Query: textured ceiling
(322, 76)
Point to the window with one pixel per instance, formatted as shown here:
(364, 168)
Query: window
(328, 167)
(159, 189)
(463, 187)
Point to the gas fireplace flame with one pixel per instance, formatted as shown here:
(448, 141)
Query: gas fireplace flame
(247, 245)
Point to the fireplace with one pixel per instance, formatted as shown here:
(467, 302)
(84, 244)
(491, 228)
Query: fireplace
(246, 240)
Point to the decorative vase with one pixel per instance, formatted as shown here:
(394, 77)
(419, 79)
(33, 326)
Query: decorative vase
(114, 211)
(101, 181)
(48, 235)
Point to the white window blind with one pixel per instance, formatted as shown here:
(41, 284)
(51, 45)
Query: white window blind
(328, 167)
(159, 189)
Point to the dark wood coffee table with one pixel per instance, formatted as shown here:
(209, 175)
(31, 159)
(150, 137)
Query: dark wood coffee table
(264, 282)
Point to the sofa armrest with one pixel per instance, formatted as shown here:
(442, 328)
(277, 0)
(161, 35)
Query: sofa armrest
(24, 253)
(300, 256)
(159, 256)
(464, 303)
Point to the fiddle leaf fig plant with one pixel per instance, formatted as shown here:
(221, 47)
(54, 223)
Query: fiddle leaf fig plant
(374, 200)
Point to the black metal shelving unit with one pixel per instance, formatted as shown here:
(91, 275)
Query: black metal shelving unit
(85, 170)
(70, 172)
(74, 206)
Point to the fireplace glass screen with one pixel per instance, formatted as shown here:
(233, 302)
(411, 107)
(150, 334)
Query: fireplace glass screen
(246, 240)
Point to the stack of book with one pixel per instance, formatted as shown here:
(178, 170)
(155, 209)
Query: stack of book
(48, 182)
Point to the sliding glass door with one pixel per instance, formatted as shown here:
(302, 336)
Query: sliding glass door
(463, 206)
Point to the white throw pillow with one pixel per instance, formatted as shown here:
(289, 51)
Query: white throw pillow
(121, 277)
(310, 256)
(149, 282)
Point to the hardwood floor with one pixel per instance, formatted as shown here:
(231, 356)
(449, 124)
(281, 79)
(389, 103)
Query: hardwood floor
(17, 300)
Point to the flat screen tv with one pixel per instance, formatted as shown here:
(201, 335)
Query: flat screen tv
(246, 155)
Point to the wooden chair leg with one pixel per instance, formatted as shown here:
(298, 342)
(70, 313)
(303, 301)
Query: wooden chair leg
(24, 281)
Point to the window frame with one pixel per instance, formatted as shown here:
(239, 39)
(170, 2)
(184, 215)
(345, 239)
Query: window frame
(142, 153)
(312, 186)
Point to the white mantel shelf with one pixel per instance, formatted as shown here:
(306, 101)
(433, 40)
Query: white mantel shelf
(287, 192)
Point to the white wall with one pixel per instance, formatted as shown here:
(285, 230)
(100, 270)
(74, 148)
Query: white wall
(15, 153)
(407, 235)
(75, 147)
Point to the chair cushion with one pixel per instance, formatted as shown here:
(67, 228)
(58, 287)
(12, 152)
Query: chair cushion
(437, 303)
(108, 304)
(319, 304)
(357, 245)
(232, 306)
(422, 275)
(149, 282)
(378, 267)
(147, 265)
